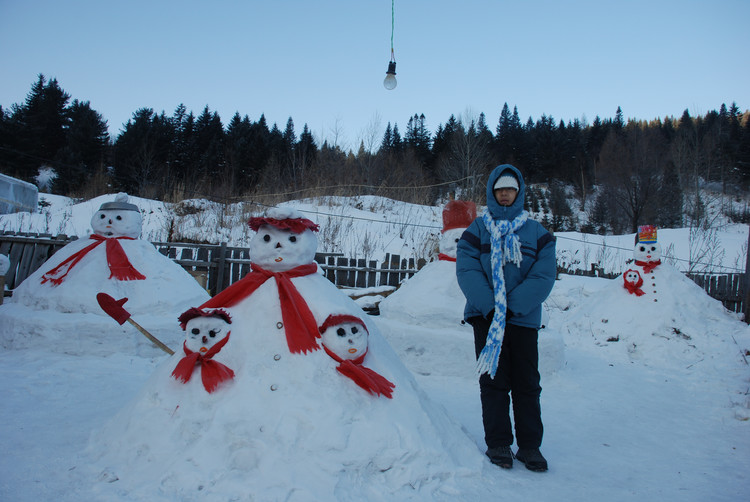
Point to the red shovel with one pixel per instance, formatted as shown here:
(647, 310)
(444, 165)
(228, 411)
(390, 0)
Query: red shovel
(115, 310)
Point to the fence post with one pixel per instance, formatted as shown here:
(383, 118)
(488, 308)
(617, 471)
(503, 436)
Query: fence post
(746, 295)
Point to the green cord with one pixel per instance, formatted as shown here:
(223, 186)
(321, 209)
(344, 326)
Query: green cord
(393, 24)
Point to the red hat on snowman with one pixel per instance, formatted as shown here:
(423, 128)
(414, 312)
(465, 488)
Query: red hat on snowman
(284, 218)
(458, 214)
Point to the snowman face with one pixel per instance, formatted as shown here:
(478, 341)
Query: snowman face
(449, 241)
(117, 223)
(632, 276)
(346, 340)
(202, 333)
(280, 250)
(647, 251)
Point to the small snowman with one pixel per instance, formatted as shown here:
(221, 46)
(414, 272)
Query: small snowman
(344, 338)
(457, 216)
(206, 333)
(633, 281)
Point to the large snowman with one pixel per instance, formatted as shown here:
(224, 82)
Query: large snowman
(652, 314)
(313, 403)
(112, 260)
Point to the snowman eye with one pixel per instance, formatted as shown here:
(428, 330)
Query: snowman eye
(341, 332)
(642, 248)
(267, 238)
(355, 330)
(653, 248)
(293, 238)
(101, 216)
(195, 331)
(118, 217)
(212, 333)
(457, 240)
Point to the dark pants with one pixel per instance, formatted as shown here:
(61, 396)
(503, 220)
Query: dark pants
(517, 377)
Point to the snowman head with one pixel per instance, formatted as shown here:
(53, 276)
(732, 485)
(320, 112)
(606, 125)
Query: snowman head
(204, 328)
(345, 336)
(633, 277)
(647, 251)
(284, 240)
(118, 219)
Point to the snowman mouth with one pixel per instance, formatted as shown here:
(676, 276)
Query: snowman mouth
(203, 349)
(277, 260)
(352, 351)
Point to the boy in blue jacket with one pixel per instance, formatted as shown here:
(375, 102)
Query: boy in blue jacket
(506, 268)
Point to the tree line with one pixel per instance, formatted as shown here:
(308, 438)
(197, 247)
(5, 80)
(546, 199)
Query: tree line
(623, 172)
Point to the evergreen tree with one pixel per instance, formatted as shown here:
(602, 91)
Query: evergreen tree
(86, 142)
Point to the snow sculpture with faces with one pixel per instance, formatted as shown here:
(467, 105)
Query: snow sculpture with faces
(345, 340)
(113, 222)
(111, 260)
(283, 249)
(206, 333)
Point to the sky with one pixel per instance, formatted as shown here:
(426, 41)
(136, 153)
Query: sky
(323, 63)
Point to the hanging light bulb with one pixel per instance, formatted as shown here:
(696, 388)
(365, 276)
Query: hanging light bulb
(390, 77)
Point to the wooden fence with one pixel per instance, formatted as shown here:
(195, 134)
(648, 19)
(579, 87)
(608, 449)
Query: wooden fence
(216, 266)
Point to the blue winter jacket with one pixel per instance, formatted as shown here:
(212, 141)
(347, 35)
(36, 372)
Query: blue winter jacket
(526, 287)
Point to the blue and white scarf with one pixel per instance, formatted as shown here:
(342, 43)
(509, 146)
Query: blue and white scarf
(506, 248)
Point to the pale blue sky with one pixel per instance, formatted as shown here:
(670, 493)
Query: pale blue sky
(323, 63)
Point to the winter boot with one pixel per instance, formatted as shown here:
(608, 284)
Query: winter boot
(501, 456)
(532, 458)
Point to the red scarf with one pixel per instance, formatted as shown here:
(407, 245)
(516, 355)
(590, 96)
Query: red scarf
(212, 372)
(372, 381)
(633, 289)
(648, 266)
(117, 261)
(445, 257)
(300, 324)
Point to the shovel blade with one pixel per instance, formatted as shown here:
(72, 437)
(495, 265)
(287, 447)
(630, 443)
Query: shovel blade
(114, 308)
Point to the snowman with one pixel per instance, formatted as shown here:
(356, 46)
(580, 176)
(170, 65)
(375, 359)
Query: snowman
(409, 303)
(633, 281)
(344, 338)
(315, 387)
(112, 260)
(206, 333)
(647, 254)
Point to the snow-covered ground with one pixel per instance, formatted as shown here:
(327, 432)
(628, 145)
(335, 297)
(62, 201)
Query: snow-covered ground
(641, 400)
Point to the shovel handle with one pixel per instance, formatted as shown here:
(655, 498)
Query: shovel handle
(151, 337)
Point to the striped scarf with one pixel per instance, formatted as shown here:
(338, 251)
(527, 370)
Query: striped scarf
(506, 248)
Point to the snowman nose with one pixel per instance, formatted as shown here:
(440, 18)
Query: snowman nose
(351, 342)
(204, 340)
(278, 245)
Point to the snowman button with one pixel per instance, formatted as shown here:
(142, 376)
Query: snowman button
(276, 357)
(279, 325)
(274, 387)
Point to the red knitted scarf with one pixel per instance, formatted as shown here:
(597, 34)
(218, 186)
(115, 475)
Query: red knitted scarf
(212, 372)
(648, 266)
(300, 324)
(119, 265)
(372, 381)
(445, 257)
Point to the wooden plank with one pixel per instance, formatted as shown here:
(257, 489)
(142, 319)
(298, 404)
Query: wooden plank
(361, 277)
